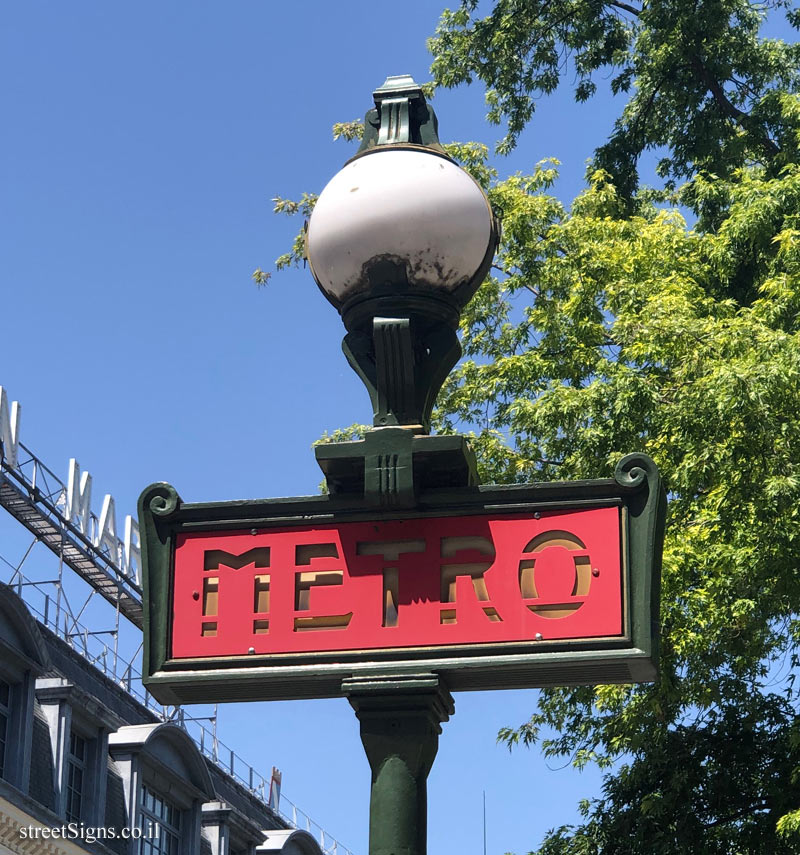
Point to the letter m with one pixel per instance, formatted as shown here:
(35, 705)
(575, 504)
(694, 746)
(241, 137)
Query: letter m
(214, 557)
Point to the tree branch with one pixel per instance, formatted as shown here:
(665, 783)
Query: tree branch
(739, 814)
(745, 120)
(620, 5)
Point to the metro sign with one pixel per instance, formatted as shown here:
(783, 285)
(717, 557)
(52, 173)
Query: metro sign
(401, 583)
(546, 584)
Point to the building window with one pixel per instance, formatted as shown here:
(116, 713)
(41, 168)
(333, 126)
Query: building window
(161, 825)
(76, 769)
(5, 717)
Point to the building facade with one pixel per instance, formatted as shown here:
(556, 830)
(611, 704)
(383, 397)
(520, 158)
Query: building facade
(85, 767)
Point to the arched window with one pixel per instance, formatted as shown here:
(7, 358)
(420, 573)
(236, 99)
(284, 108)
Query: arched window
(165, 782)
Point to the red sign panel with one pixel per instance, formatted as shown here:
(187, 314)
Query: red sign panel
(399, 584)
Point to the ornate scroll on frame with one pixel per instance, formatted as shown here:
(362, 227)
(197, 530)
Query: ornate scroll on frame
(489, 587)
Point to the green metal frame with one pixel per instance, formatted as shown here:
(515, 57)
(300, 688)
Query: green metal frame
(636, 487)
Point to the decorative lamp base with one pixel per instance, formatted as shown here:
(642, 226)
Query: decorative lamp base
(391, 466)
(402, 348)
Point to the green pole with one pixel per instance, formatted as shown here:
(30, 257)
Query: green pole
(401, 718)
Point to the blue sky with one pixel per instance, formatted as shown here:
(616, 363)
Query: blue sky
(142, 145)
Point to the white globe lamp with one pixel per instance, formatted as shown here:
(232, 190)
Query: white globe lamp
(399, 240)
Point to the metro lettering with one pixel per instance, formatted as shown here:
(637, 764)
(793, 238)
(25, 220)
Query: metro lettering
(402, 583)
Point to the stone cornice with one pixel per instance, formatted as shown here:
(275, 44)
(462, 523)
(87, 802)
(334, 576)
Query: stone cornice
(13, 819)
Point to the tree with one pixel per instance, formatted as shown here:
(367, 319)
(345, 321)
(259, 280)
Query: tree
(701, 82)
(610, 326)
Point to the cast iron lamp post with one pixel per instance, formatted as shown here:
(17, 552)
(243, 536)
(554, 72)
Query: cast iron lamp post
(398, 242)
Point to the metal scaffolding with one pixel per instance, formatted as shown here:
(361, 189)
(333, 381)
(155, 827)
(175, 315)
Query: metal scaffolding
(37, 498)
